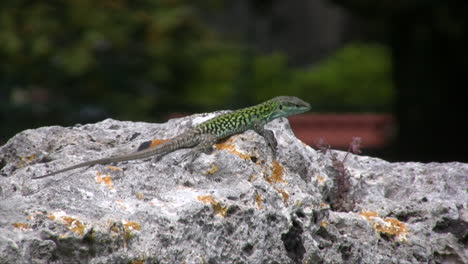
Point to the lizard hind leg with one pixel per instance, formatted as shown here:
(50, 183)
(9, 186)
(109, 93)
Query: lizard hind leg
(205, 146)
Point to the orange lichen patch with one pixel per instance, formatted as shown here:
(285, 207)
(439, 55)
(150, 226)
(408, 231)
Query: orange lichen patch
(259, 201)
(22, 226)
(26, 160)
(114, 168)
(207, 199)
(211, 170)
(276, 174)
(388, 226)
(369, 214)
(324, 206)
(138, 261)
(52, 217)
(74, 225)
(324, 224)
(139, 196)
(284, 194)
(229, 146)
(252, 177)
(321, 179)
(217, 207)
(105, 179)
(124, 229)
(131, 226)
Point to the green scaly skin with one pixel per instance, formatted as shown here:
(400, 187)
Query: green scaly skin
(203, 136)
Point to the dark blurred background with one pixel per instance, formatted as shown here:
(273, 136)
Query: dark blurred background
(392, 72)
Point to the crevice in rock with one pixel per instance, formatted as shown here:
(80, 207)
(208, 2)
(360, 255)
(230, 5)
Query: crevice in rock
(458, 228)
(247, 249)
(345, 250)
(2, 163)
(254, 159)
(447, 257)
(292, 241)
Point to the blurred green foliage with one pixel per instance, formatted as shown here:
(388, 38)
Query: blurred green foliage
(69, 61)
(121, 55)
(356, 78)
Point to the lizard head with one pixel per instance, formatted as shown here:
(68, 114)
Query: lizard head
(288, 105)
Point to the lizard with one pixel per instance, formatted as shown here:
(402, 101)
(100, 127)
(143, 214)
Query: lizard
(202, 137)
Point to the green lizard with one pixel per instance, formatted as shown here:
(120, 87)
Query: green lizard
(203, 136)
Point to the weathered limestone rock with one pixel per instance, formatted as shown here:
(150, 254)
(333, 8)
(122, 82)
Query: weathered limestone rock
(235, 205)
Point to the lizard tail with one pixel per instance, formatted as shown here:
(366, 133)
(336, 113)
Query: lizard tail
(79, 165)
(185, 140)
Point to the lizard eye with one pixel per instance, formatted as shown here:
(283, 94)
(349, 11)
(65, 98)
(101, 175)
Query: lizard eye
(280, 107)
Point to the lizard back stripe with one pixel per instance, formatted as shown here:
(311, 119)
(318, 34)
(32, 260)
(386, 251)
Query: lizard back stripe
(238, 121)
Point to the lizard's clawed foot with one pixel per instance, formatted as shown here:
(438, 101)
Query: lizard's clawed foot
(157, 158)
(189, 157)
(273, 155)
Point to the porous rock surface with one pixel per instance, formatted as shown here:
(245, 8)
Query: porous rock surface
(234, 205)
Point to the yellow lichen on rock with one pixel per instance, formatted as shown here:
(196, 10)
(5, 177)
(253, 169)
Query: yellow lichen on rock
(139, 195)
(131, 226)
(321, 179)
(26, 160)
(217, 207)
(114, 168)
(74, 225)
(105, 179)
(212, 170)
(276, 174)
(259, 201)
(21, 226)
(283, 193)
(229, 146)
(388, 226)
(324, 224)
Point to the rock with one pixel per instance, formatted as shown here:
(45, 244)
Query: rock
(235, 205)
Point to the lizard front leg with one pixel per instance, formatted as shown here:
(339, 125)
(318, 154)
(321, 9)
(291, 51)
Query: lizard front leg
(269, 137)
